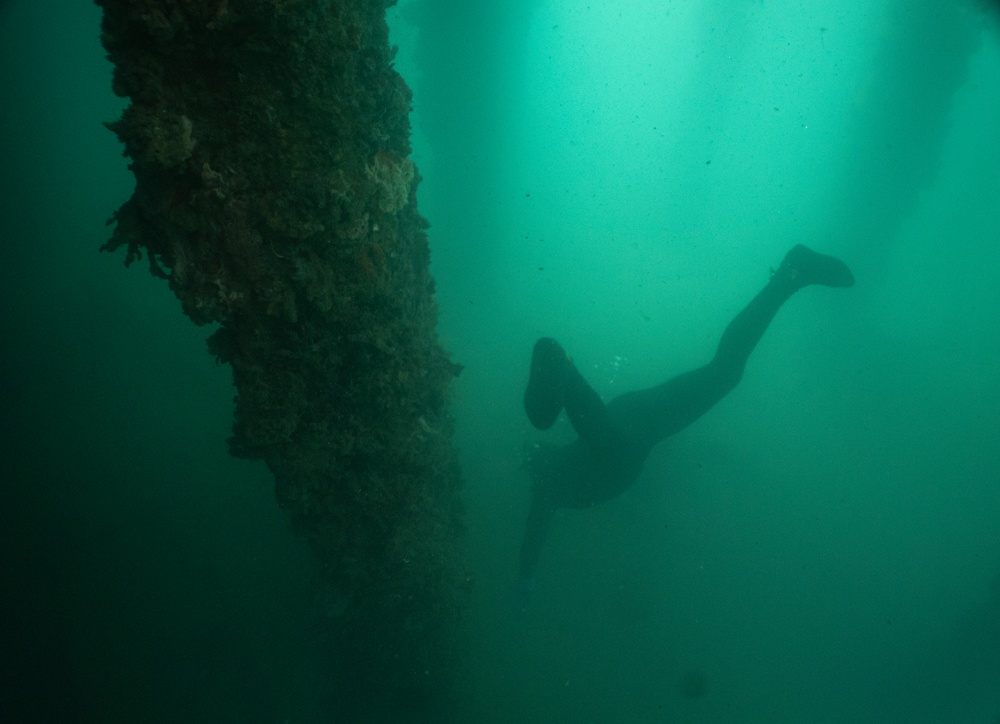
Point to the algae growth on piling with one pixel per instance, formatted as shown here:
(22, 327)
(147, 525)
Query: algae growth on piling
(274, 192)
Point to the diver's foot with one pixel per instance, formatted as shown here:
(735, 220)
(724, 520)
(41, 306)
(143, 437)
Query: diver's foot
(543, 399)
(802, 266)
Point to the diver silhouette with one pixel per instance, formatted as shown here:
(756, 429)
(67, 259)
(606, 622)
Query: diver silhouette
(614, 439)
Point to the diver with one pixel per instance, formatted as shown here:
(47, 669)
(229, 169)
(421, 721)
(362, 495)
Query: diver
(614, 439)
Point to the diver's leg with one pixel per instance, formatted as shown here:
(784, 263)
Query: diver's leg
(654, 414)
(556, 384)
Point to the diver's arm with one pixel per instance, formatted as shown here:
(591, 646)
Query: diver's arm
(535, 531)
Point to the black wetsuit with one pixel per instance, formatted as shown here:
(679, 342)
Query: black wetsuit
(615, 438)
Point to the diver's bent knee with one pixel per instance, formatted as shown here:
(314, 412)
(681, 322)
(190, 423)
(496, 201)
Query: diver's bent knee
(727, 377)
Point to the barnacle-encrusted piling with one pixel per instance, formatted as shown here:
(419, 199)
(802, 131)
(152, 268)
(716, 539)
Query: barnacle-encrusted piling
(274, 191)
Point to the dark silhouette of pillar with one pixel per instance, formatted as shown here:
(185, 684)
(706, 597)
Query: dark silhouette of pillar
(274, 192)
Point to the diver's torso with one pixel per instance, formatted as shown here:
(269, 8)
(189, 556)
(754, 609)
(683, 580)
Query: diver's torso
(572, 476)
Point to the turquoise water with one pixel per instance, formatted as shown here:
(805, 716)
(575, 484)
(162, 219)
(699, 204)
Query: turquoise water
(821, 547)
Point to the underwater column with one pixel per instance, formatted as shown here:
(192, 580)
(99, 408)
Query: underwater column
(269, 140)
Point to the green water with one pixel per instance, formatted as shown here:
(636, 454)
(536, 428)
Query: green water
(821, 547)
